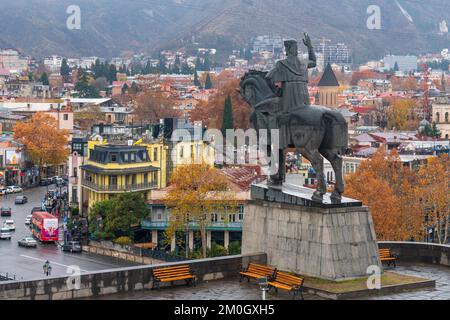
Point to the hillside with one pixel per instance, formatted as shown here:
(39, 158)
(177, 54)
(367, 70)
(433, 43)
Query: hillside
(111, 27)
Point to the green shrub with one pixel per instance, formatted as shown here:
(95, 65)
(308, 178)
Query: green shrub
(217, 250)
(234, 248)
(123, 241)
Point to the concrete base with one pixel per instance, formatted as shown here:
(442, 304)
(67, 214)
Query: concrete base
(328, 243)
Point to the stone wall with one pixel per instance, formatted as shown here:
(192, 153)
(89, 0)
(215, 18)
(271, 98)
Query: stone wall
(328, 243)
(123, 255)
(121, 280)
(419, 251)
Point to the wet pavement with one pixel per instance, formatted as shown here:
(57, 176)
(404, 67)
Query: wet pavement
(232, 289)
(26, 263)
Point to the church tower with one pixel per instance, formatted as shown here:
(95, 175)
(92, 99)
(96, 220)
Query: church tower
(328, 88)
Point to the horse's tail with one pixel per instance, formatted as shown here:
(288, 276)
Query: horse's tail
(336, 136)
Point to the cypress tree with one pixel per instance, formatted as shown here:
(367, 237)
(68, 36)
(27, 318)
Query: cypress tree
(227, 122)
(44, 79)
(196, 81)
(208, 82)
(65, 70)
(396, 67)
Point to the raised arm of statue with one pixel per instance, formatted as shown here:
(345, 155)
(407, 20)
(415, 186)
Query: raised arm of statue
(312, 60)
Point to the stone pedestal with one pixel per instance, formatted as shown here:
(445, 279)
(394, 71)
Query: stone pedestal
(327, 242)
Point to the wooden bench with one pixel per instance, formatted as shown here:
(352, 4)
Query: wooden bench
(172, 274)
(290, 283)
(387, 256)
(256, 271)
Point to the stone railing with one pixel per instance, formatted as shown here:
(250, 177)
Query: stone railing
(419, 251)
(121, 280)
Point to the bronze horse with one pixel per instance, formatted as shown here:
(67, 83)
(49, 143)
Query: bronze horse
(315, 131)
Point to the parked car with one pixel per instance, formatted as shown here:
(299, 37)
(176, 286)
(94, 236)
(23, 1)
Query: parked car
(72, 246)
(13, 189)
(45, 182)
(21, 200)
(27, 243)
(5, 212)
(28, 219)
(2, 191)
(10, 225)
(5, 233)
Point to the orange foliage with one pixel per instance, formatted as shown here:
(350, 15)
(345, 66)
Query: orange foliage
(43, 141)
(211, 112)
(434, 195)
(386, 187)
(154, 104)
(196, 192)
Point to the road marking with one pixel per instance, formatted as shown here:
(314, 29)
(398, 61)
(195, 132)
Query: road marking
(52, 262)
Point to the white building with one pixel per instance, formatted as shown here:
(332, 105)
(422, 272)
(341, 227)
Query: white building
(53, 63)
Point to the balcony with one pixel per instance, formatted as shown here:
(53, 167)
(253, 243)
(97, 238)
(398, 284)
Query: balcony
(214, 226)
(118, 188)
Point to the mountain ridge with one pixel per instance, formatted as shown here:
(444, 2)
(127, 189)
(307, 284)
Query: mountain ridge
(108, 28)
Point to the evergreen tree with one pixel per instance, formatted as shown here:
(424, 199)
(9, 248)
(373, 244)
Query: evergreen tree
(65, 70)
(134, 88)
(208, 82)
(196, 81)
(147, 68)
(162, 69)
(227, 122)
(85, 90)
(112, 73)
(125, 88)
(198, 64)
(123, 69)
(396, 67)
(206, 63)
(185, 69)
(44, 79)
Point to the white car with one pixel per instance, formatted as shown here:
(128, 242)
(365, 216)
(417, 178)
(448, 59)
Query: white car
(27, 242)
(13, 189)
(28, 219)
(5, 233)
(10, 225)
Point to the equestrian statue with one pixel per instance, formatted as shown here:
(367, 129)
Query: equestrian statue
(280, 100)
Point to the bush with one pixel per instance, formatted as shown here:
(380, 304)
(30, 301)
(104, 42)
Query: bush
(234, 248)
(217, 250)
(75, 211)
(123, 241)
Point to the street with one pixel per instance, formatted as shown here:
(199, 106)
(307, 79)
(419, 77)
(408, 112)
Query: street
(26, 263)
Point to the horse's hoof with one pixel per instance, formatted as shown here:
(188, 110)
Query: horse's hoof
(317, 197)
(336, 197)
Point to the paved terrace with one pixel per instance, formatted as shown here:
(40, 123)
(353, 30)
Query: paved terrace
(232, 289)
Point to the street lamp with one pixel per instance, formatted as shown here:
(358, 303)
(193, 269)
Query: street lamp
(264, 286)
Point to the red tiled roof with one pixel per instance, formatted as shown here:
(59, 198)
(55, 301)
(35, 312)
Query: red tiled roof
(243, 176)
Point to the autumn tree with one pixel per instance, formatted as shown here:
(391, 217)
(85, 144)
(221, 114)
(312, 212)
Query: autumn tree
(401, 115)
(43, 141)
(384, 185)
(211, 112)
(196, 193)
(154, 104)
(434, 195)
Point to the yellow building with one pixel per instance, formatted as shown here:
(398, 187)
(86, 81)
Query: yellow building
(113, 169)
(142, 167)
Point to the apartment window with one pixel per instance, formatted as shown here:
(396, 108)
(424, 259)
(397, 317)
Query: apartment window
(75, 172)
(113, 180)
(126, 157)
(114, 157)
(145, 177)
(66, 117)
(446, 117)
(181, 152)
(132, 157)
(155, 154)
(133, 179)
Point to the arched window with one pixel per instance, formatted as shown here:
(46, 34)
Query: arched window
(437, 117)
(446, 117)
